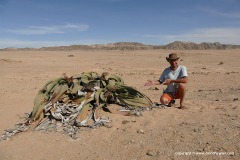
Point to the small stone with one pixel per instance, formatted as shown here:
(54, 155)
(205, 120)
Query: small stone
(152, 153)
(153, 88)
(125, 121)
(134, 121)
(141, 131)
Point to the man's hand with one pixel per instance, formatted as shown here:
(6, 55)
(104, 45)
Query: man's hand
(149, 83)
(152, 82)
(182, 80)
(167, 82)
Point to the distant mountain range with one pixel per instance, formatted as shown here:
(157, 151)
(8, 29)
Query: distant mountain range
(201, 46)
(177, 45)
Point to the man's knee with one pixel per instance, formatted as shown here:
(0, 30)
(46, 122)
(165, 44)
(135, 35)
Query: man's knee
(181, 91)
(165, 99)
(181, 88)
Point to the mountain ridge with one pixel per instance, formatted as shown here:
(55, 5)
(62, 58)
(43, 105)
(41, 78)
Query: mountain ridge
(176, 45)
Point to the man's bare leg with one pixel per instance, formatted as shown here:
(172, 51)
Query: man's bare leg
(181, 94)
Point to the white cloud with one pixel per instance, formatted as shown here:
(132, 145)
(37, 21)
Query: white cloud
(14, 43)
(235, 14)
(57, 29)
(222, 35)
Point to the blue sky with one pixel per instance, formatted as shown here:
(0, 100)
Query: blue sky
(41, 23)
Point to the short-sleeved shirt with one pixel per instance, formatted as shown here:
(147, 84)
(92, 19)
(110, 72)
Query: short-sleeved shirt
(168, 73)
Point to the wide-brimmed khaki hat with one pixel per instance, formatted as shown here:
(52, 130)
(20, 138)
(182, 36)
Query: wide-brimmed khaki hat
(172, 56)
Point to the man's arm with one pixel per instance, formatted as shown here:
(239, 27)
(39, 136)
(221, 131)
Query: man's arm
(153, 82)
(182, 80)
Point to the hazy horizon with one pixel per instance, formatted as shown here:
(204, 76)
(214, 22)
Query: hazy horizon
(36, 24)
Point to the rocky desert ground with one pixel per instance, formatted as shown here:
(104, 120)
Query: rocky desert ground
(208, 129)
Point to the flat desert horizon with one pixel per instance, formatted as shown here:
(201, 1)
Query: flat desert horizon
(208, 129)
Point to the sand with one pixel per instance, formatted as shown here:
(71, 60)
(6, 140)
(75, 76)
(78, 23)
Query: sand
(208, 129)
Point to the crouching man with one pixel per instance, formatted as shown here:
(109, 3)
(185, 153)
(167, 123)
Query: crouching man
(175, 77)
